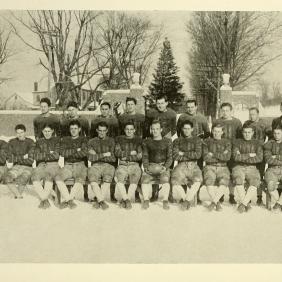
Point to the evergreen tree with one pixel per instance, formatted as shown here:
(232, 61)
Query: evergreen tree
(166, 82)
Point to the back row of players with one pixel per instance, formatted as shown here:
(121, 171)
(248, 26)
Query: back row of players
(231, 149)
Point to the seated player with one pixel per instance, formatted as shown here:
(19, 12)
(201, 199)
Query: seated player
(128, 150)
(3, 158)
(101, 154)
(186, 151)
(273, 157)
(247, 153)
(216, 153)
(74, 151)
(157, 159)
(47, 153)
(20, 157)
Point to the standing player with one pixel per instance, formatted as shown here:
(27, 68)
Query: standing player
(73, 114)
(105, 116)
(157, 159)
(101, 154)
(44, 118)
(277, 121)
(46, 155)
(165, 115)
(4, 149)
(247, 153)
(273, 157)
(74, 150)
(21, 156)
(128, 150)
(186, 151)
(260, 133)
(232, 128)
(131, 115)
(200, 123)
(216, 153)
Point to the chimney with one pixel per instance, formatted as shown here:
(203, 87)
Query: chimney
(35, 86)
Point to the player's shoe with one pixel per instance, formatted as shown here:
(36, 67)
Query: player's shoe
(212, 206)
(128, 205)
(185, 205)
(71, 204)
(232, 200)
(259, 201)
(103, 205)
(218, 207)
(248, 207)
(63, 205)
(241, 208)
(42, 205)
(95, 205)
(277, 206)
(145, 205)
(165, 205)
(47, 204)
(122, 204)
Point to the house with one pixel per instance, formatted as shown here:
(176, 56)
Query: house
(85, 95)
(18, 101)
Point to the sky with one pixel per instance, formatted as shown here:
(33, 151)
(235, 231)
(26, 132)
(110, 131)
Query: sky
(24, 69)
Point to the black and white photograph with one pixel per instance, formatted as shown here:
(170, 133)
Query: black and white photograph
(140, 136)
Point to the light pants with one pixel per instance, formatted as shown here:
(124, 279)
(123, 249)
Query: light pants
(66, 195)
(275, 197)
(179, 193)
(245, 197)
(121, 194)
(215, 192)
(163, 193)
(103, 193)
(45, 192)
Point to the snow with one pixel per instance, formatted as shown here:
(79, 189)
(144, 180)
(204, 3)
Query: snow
(85, 235)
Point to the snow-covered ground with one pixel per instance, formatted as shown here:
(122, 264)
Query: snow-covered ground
(84, 235)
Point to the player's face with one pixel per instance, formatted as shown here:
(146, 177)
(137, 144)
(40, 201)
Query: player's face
(129, 131)
(105, 110)
(44, 108)
(277, 133)
(248, 133)
(226, 112)
(47, 132)
(217, 132)
(156, 130)
(162, 105)
(74, 130)
(253, 115)
(20, 134)
(191, 108)
(130, 107)
(187, 130)
(72, 112)
(102, 132)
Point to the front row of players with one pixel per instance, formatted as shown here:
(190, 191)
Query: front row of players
(96, 160)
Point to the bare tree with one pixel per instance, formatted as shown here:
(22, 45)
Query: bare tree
(66, 41)
(5, 51)
(131, 42)
(237, 43)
